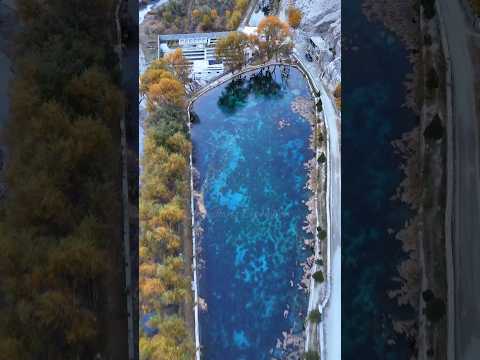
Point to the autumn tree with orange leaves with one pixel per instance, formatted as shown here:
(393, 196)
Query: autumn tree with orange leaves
(161, 86)
(294, 17)
(232, 50)
(180, 65)
(164, 274)
(274, 38)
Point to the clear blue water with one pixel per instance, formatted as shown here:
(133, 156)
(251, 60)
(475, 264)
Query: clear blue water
(372, 116)
(253, 179)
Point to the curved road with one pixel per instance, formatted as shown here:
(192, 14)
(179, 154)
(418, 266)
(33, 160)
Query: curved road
(463, 199)
(332, 310)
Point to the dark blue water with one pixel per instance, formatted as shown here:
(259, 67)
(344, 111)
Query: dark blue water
(372, 116)
(253, 178)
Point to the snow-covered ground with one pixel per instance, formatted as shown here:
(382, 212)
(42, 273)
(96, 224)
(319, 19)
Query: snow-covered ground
(320, 18)
(332, 319)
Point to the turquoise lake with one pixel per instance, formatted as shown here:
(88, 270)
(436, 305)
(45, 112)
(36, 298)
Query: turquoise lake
(373, 115)
(250, 150)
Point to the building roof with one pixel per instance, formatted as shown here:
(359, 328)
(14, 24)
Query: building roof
(172, 37)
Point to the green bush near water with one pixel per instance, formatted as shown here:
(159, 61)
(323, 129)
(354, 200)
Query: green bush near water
(322, 234)
(322, 158)
(318, 276)
(315, 316)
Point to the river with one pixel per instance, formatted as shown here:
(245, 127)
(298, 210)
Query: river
(250, 151)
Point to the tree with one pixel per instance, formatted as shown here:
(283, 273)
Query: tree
(166, 92)
(155, 72)
(163, 283)
(274, 38)
(63, 192)
(322, 158)
(338, 95)
(315, 316)
(93, 93)
(180, 65)
(206, 22)
(232, 50)
(432, 80)
(234, 20)
(294, 17)
(196, 13)
(476, 6)
(322, 234)
(435, 309)
(318, 276)
(172, 341)
(241, 5)
(428, 8)
(434, 130)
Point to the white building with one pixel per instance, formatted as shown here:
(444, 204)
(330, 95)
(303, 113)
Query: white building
(198, 48)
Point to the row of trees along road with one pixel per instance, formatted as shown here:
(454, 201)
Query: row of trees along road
(62, 292)
(273, 41)
(164, 275)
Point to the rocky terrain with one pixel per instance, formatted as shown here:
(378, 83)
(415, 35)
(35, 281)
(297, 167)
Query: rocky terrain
(322, 18)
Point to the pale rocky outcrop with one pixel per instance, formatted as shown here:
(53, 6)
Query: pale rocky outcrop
(323, 18)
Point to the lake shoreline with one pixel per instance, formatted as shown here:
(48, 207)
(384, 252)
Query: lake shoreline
(290, 339)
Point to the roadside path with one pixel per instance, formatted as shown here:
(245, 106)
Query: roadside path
(463, 193)
(331, 305)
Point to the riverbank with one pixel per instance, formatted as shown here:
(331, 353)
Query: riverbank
(318, 295)
(422, 188)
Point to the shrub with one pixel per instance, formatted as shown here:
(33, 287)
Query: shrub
(315, 316)
(432, 79)
(322, 234)
(320, 137)
(428, 8)
(435, 310)
(294, 17)
(319, 105)
(322, 158)
(427, 295)
(319, 262)
(318, 276)
(194, 117)
(434, 130)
